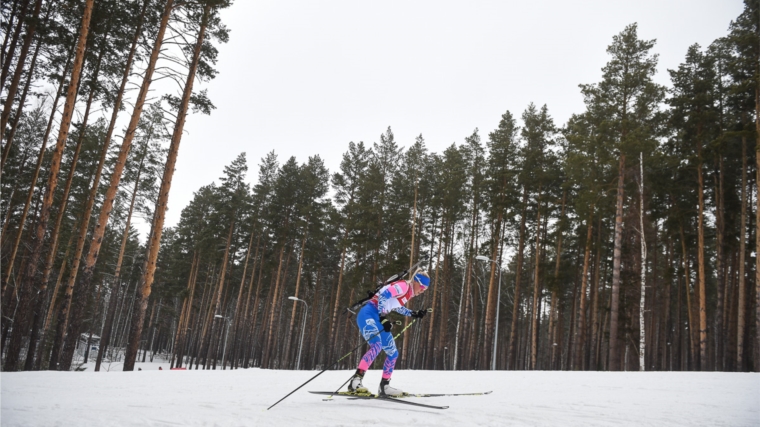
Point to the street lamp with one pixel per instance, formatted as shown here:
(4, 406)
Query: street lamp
(224, 351)
(498, 302)
(300, 345)
(444, 357)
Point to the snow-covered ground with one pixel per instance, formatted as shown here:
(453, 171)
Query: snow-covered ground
(153, 397)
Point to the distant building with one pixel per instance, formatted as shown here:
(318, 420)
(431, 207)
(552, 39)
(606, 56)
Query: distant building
(82, 351)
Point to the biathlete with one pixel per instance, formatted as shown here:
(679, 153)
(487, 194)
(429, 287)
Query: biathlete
(371, 320)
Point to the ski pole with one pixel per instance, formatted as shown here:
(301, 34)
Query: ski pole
(429, 310)
(328, 368)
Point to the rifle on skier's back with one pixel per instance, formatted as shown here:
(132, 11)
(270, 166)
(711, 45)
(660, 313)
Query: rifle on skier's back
(396, 277)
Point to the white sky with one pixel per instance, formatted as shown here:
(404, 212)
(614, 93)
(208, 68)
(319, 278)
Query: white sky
(307, 77)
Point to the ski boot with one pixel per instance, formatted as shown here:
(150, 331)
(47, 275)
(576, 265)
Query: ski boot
(355, 385)
(386, 390)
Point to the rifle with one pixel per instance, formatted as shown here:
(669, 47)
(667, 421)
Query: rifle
(396, 277)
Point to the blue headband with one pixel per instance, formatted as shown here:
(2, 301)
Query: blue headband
(422, 280)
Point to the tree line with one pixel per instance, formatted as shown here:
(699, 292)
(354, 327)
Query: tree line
(84, 55)
(620, 240)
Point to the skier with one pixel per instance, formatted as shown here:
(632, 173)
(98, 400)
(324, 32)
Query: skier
(371, 320)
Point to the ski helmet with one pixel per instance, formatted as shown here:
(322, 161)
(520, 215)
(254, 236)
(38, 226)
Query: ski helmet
(422, 278)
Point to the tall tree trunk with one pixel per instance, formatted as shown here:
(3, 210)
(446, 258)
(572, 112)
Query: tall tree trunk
(472, 309)
(271, 329)
(430, 342)
(555, 302)
(154, 324)
(558, 336)
(518, 272)
(732, 317)
(757, 225)
(106, 142)
(206, 346)
(30, 77)
(203, 321)
(11, 94)
(289, 337)
(334, 323)
(246, 324)
(719, 265)
(467, 285)
(51, 306)
(11, 198)
(446, 288)
(278, 305)
(22, 319)
(98, 234)
(164, 193)
(186, 314)
(52, 251)
(48, 315)
(237, 315)
(35, 176)
(255, 307)
(490, 311)
(459, 320)
(742, 303)
(106, 335)
(7, 56)
(580, 331)
(642, 302)
(702, 365)
(144, 343)
(678, 330)
(536, 288)
(595, 329)
(404, 345)
(573, 315)
(757, 219)
(314, 333)
(22, 100)
(689, 311)
(666, 326)
(614, 356)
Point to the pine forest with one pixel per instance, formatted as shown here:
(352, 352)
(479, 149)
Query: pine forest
(623, 239)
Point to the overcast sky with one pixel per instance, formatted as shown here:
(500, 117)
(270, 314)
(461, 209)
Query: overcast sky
(306, 77)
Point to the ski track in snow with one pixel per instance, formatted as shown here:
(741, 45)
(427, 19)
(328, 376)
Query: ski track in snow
(240, 397)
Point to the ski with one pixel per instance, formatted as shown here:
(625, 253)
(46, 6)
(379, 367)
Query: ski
(393, 399)
(351, 394)
(387, 399)
(483, 393)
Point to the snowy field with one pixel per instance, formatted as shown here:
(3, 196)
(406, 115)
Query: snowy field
(153, 397)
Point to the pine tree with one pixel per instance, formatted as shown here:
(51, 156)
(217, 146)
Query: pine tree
(143, 175)
(628, 96)
(64, 329)
(22, 319)
(744, 66)
(502, 159)
(540, 162)
(694, 117)
(207, 15)
(345, 183)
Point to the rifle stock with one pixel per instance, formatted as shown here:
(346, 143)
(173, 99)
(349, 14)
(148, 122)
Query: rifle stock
(353, 308)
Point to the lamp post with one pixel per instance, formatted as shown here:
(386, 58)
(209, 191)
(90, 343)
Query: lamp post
(498, 302)
(444, 357)
(224, 351)
(303, 328)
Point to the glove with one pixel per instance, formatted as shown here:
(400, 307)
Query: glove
(387, 324)
(419, 314)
